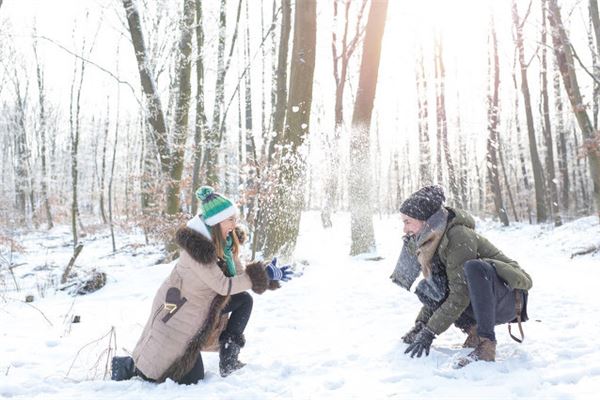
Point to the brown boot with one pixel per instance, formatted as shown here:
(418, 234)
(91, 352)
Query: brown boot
(472, 339)
(485, 351)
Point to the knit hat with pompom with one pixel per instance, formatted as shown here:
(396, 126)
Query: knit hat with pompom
(215, 207)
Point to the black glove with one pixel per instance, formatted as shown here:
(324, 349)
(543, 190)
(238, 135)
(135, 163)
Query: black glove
(422, 342)
(410, 336)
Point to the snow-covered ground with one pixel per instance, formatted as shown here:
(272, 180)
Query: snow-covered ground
(332, 332)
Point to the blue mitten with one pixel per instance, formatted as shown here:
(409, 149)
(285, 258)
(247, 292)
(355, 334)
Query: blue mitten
(278, 274)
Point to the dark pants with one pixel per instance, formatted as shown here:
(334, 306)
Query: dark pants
(492, 301)
(240, 307)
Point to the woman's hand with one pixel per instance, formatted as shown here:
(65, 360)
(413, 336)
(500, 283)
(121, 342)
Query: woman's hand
(276, 273)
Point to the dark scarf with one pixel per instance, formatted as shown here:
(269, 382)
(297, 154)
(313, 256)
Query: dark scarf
(419, 254)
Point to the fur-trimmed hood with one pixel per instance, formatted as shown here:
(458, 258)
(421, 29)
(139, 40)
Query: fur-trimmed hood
(198, 246)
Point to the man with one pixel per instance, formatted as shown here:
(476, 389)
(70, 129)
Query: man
(466, 281)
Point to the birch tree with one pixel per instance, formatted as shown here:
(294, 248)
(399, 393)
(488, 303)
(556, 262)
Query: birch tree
(492, 141)
(360, 177)
(536, 164)
(284, 224)
(564, 57)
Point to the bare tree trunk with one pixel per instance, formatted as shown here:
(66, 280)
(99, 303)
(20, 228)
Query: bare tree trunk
(285, 222)
(462, 159)
(249, 145)
(362, 233)
(564, 56)
(492, 141)
(563, 166)
(506, 182)
(103, 170)
(182, 106)
(547, 129)
(520, 150)
(480, 186)
(42, 130)
(22, 152)
(201, 122)
(111, 179)
(155, 114)
(442, 120)
(341, 59)
(595, 21)
(535, 158)
(425, 177)
(249, 136)
(281, 77)
(75, 110)
(212, 143)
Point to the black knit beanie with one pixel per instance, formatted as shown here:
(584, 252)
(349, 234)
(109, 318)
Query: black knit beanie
(423, 203)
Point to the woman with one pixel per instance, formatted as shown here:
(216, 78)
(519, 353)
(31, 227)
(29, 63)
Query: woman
(191, 308)
(467, 281)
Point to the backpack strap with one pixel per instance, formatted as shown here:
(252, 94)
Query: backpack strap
(518, 310)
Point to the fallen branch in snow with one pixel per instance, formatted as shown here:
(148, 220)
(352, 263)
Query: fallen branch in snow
(108, 351)
(35, 308)
(589, 250)
(65, 274)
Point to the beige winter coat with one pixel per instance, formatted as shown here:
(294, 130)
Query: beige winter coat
(190, 319)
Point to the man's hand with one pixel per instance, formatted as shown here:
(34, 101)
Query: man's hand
(410, 336)
(422, 343)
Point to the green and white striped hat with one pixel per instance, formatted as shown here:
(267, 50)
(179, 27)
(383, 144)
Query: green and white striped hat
(215, 206)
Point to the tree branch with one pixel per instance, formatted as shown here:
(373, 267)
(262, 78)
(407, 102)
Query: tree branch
(111, 74)
(244, 74)
(583, 66)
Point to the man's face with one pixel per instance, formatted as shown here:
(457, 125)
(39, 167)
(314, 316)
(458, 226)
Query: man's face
(412, 226)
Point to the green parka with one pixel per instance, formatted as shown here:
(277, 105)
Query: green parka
(459, 244)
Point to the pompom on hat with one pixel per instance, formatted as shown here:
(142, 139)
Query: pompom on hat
(215, 207)
(423, 203)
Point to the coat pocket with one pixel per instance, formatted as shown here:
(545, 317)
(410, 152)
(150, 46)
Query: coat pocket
(173, 303)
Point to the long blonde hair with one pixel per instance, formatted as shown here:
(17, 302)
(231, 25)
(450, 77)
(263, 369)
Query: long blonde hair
(219, 242)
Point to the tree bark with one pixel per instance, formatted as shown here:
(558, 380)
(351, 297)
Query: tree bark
(42, 130)
(103, 168)
(547, 128)
(281, 78)
(425, 176)
(155, 114)
(22, 162)
(285, 222)
(564, 56)
(492, 141)
(563, 165)
(536, 164)
(201, 123)
(341, 59)
(182, 106)
(362, 233)
(442, 120)
(595, 21)
(75, 111)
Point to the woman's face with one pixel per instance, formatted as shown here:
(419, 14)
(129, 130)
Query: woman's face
(227, 226)
(412, 226)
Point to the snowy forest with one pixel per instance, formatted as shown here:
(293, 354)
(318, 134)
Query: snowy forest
(114, 112)
(502, 112)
